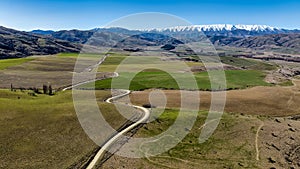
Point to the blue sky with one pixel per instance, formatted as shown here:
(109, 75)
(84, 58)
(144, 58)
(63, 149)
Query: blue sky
(87, 14)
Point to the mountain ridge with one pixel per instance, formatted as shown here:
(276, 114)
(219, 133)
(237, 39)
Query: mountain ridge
(217, 29)
(230, 30)
(14, 44)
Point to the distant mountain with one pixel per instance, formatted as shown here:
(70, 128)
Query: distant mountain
(115, 37)
(146, 39)
(15, 43)
(284, 42)
(217, 28)
(219, 34)
(42, 32)
(224, 30)
(228, 30)
(76, 36)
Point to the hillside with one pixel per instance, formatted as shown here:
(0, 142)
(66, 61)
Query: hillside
(15, 44)
(268, 42)
(245, 36)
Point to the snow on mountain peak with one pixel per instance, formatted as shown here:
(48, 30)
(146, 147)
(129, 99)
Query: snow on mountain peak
(217, 27)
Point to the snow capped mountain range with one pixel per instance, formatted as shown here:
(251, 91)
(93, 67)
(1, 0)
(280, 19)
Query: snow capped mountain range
(180, 32)
(224, 30)
(217, 27)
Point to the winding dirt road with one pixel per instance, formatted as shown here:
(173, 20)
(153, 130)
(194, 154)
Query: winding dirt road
(110, 142)
(111, 100)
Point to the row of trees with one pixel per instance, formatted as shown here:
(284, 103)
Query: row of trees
(46, 89)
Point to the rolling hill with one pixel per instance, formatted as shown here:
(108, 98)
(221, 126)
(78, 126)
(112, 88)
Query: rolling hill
(15, 44)
(246, 36)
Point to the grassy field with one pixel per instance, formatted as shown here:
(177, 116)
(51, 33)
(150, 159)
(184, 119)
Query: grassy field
(251, 139)
(240, 141)
(43, 131)
(236, 79)
(13, 62)
(221, 145)
(41, 70)
(50, 68)
(153, 78)
(130, 63)
(67, 55)
(241, 79)
(231, 146)
(248, 63)
(81, 55)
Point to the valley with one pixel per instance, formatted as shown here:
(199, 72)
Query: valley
(254, 109)
(41, 126)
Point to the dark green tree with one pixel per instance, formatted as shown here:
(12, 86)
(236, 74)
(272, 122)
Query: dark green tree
(45, 89)
(50, 90)
(36, 90)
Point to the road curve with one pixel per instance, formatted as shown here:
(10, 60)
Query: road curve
(111, 100)
(119, 134)
(89, 81)
(89, 69)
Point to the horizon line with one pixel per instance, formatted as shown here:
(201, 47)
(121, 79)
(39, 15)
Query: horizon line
(103, 27)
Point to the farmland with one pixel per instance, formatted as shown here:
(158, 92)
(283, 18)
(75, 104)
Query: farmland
(155, 78)
(13, 62)
(236, 79)
(38, 70)
(38, 123)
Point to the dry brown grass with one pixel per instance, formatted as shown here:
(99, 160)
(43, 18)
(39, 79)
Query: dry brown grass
(240, 141)
(279, 141)
(273, 101)
(54, 70)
